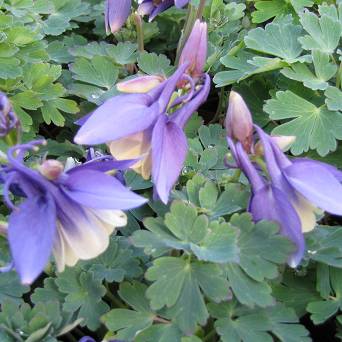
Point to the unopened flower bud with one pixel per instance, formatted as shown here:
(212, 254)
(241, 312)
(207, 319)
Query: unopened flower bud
(8, 119)
(282, 141)
(239, 124)
(141, 84)
(195, 49)
(51, 169)
(116, 14)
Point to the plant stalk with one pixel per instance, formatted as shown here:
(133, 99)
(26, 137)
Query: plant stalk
(200, 9)
(189, 23)
(140, 31)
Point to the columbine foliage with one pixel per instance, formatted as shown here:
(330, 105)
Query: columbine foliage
(197, 268)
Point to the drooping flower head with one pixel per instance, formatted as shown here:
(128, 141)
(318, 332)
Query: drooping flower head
(153, 7)
(149, 126)
(8, 119)
(116, 14)
(292, 191)
(68, 213)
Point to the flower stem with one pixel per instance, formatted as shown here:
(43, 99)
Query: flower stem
(209, 336)
(338, 76)
(189, 23)
(219, 106)
(200, 9)
(140, 31)
(113, 299)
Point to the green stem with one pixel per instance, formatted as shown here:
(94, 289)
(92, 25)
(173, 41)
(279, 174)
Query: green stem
(71, 337)
(200, 9)
(236, 176)
(209, 336)
(233, 51)
(189, 23)
(219, 107)
(140, 32)
(338, 76)
(116, 302)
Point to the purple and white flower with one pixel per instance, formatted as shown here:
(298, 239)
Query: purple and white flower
(149, 126)
(292, 192)
(68, 213)
(8, 119)
(153, 7)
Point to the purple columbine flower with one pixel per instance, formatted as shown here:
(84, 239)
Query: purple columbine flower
(8, 119)
(195, 50)
(116, 14)
(150, 127)
(68, 213)
(239, 123)
(153, 7)
(292, 192)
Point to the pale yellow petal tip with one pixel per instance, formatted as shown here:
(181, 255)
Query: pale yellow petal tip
(139, 85)
(284, 142)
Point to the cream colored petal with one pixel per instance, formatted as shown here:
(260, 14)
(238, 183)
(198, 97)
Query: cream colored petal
(86, 235)
(111, 219)
(63, 253)
(307, 213)
(134, 146)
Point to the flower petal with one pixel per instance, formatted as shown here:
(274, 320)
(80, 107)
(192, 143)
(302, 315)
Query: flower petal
(118, 117)
(332, 169)
(136, 146)
(181, 3)
(116, 14)
(272, 204)
(317, 185)
(97, 190)
(169, 149)
(182, 115)
(82, 232)
(31, 232)
(104, 166)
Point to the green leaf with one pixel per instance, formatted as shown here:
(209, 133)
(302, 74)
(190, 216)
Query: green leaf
(47, 293)
(314, 127)
(261, 326)
(261, 247)
(10, 68)
(323, 69)
(333, 98)
(153, 64)
(183, 229)
(127, 323)
(83, 294)
(266, 10)
(245, 65)
(115, 263)
(160, 333)
(99, 71)
(279, 38)
(324, 245)
(324, 31)
(296, 291)
(178, 284)
(10, 287)
(52, 114)
(123, 53)
(248, 291)
(322, 310)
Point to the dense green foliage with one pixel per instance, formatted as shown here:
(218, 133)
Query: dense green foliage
(198, 269)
